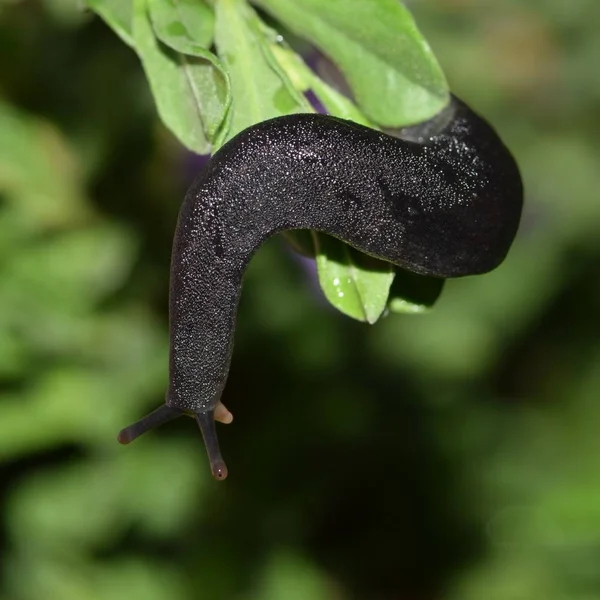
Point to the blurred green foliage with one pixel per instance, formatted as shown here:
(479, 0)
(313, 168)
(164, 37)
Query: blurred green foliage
(452, 456)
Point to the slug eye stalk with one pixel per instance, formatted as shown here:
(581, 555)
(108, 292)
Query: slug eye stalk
(160, 416)
(206, 422)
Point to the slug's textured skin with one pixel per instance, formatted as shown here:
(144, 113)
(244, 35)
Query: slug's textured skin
(447, 207)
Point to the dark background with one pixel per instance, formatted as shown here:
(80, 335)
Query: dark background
(451, 456)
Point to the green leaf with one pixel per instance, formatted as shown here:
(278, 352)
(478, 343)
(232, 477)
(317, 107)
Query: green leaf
(356, 284)
(377, 46)
(184, 25)
(260, 88)
(414, 294)
(118, 14)
(305, 79)
(191, 92)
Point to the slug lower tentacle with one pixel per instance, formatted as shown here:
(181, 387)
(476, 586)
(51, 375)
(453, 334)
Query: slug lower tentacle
(445, 203)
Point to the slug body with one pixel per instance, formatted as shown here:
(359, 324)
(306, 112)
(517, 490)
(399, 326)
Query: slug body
(448, 205)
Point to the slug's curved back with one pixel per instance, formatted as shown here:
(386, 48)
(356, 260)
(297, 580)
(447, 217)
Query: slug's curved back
(446, 206)
(445, 203)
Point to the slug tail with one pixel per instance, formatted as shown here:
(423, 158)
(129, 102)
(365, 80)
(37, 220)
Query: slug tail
(161, 415)
(206, 422)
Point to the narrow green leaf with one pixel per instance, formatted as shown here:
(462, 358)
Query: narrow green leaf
(187, 26)
(414, 294)
(118, 14)
(183, 24)
(356, 284)
(191, 92)
(377, 46)
(305, 79)
(260, 89)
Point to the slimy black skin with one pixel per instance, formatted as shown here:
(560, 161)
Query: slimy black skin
(445, 201)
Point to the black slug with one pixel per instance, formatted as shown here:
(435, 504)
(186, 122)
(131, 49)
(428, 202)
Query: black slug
(445, 200)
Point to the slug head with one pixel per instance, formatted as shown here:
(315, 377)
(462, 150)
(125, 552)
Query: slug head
(206, 422)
